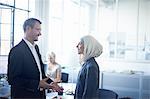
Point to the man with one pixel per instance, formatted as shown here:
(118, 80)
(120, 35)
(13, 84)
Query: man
(25, 67)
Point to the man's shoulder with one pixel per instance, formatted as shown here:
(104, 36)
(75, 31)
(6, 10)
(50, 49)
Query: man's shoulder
(19, 46)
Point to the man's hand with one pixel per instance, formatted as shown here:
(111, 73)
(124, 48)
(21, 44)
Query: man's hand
(56, 87)
(53, 85)
(44, 84)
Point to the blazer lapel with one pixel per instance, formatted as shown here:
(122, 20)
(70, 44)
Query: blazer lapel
(40, 59)
(26, 47)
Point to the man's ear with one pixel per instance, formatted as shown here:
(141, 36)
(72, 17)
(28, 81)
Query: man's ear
(28, 28)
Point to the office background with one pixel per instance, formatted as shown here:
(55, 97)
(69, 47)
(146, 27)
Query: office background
(122, 27)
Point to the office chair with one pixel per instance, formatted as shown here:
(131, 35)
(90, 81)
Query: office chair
(107, 94)
(64, 77)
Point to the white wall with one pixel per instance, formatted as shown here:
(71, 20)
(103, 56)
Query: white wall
(120, 66)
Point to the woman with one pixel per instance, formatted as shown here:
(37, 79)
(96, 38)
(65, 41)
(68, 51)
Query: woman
(54, 69)
(88, 77)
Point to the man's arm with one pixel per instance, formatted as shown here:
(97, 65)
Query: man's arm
(15, 70)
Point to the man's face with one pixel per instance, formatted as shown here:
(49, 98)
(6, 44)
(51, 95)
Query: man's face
(80, 48)
(35, 32)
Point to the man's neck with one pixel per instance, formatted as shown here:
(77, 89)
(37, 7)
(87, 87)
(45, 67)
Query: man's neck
(32, 42)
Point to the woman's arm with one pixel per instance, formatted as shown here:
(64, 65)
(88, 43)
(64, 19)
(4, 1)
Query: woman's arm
(58, 74)
(90, 82)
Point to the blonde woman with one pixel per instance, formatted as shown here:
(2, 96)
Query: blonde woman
(88, 78)
(54, 69)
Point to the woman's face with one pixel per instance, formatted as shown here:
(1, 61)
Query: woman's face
(52, 59)
(80, 47)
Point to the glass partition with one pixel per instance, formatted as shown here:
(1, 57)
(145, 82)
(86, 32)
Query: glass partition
(124, 29)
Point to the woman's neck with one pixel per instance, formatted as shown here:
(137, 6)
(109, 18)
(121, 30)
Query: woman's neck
(52, 64)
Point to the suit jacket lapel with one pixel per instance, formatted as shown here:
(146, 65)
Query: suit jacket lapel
(40, 59)
(39, 55)
(26, 47)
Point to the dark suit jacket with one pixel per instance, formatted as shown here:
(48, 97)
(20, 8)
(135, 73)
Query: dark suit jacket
(88, 81)
(23, 73)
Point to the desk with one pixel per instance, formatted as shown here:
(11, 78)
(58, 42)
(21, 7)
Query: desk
(68, 88)
(136, 86)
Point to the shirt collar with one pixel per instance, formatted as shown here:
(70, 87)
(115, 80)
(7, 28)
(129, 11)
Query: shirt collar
(28, 43)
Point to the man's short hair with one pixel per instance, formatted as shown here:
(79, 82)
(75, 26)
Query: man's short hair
(30, 22)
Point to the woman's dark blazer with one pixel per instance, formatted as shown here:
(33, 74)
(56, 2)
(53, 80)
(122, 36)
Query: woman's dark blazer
(88, 81)
(23, 74)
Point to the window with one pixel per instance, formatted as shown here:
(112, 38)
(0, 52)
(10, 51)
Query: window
(5, 30)
(11, 30)
(73, 19)
(12, 15)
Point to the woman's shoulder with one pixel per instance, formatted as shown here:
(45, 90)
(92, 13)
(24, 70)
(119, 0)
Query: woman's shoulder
(91, 63)
(58, 65)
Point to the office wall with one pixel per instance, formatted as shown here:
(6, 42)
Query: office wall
(120, 66)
